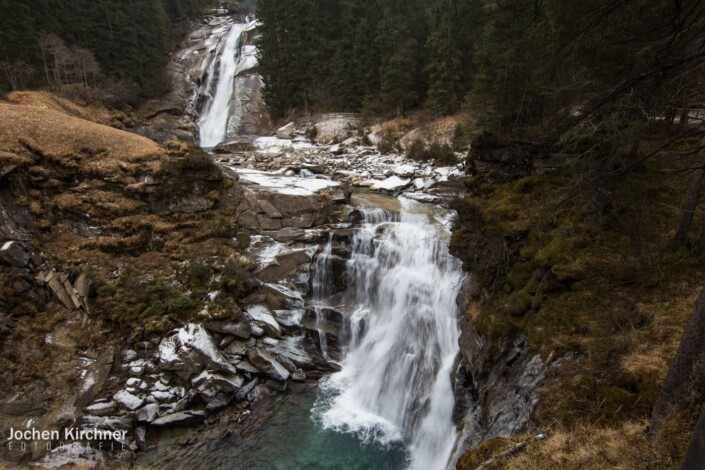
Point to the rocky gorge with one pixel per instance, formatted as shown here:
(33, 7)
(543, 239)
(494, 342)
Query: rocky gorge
(150, 285)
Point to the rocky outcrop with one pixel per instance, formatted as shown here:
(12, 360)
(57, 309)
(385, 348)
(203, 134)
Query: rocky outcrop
(495, 386)
(193, 73)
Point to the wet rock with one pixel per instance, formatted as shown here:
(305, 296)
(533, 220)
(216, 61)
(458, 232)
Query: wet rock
(246, 366)
(14, 254)
(147, 413)
(94, 379)
(238, 329)
(267, 364)
(275, 385)
(288, 234)
(263, 318)
(141, 437)
(181, 418)
(220, 401)
(495, 386)
(282, 298)
(259, 393)
(216, 381)
(298, 376)
(246, 389)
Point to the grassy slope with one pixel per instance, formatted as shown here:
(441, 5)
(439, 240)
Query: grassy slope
(610, 299)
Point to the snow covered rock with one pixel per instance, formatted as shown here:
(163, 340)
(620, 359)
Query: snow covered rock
(267, 364)
(393, 183)
(285, 132)
(262, 317)
(190, 350)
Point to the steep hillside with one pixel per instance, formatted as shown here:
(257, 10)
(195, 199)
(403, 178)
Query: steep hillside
(604, 300)
(107, 239)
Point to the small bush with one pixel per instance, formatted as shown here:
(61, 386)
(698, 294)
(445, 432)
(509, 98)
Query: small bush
(312, 133)
(388, 143)
(417, 150)
(442, 154)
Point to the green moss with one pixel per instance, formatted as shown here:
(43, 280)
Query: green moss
(484, 452)
(518, 303)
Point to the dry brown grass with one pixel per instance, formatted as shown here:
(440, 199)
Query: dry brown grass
(624, 446)
(46, 100)
(441, 131)
(74, 143)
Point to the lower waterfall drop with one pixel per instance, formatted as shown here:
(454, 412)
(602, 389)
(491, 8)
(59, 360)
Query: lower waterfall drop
(395, 383)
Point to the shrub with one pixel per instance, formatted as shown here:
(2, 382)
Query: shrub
(442, 154)
(417, 150)
(312, 133)
(388, 143)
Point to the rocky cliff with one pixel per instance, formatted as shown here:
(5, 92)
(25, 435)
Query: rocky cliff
(129, 298)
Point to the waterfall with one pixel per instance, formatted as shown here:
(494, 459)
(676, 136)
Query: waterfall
(322, 288)
(395, 383)
(213, 124)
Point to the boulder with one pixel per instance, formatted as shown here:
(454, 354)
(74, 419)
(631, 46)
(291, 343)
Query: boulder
(94, 379)
(269, 209)
(147, 413)
(128, 400)
(391, 184)
(190, 350)
(266, 363)
(220, 401)
(246, 389)
(219, 382)
(285, 132)
(246, 366)
(262, 317)
(14, 254)
(83, 286)
(282, 298)
(240, 329)
(181, 418)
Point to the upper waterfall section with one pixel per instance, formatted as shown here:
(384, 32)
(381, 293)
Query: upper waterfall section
(219, 65)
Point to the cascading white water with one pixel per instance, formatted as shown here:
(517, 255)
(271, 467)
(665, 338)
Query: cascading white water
(213, 124)
(395, 382)
(322, 287)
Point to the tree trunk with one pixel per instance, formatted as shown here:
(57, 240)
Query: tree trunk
(685, 114)
(689, 211)
(678, 386)
(695, 455)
